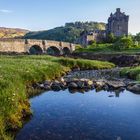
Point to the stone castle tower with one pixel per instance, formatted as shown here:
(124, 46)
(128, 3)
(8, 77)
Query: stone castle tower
(118, 23)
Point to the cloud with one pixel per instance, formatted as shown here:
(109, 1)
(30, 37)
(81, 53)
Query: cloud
(5, 11)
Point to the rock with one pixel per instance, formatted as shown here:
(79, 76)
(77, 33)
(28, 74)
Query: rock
(134, 88)
(72, 85)
(47, 87)
(80, 84)
(90, 83)
(56, 87)
(111, 96)
(105, 87)
(116, 84)
(99, 84)
(62, 80)
(41, 86)
(63, 85)
(126, 60)
(48, 83)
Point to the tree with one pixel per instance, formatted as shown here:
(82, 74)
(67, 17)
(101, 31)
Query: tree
(124, 43)
(110, 38)
(137, 37)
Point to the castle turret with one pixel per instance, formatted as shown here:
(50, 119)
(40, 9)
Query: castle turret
(118, 23)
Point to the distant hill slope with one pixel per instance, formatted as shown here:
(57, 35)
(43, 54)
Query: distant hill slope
(12, 32)
(69, 33)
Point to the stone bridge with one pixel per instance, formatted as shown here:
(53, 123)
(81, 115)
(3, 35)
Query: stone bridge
(32, 46)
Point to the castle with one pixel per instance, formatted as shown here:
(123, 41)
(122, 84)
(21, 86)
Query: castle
(117, 25)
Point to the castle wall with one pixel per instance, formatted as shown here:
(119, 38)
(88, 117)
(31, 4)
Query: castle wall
(118, 23)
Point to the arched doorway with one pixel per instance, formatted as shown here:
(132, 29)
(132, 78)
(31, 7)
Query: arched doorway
(66, 51)
(35, 49)
(53, 51)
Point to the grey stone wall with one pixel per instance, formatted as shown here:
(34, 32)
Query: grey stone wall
(23, 46)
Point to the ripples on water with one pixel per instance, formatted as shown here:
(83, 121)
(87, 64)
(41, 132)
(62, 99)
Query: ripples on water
(89, 116)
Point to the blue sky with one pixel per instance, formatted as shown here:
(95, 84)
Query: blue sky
(47, 14)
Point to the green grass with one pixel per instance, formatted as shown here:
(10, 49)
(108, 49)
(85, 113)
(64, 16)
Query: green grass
(19, 72)
(107, 49)
(133, 73)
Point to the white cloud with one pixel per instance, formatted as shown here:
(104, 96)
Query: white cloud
(5, 11)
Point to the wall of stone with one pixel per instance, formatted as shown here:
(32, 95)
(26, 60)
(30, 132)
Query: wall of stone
(12, 46)
(21, 45)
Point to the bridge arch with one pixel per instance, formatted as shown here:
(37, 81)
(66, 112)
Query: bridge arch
(35, 49)
(53, 50)
(66, 51)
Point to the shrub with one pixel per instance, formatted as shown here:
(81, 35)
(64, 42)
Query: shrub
(123, 43)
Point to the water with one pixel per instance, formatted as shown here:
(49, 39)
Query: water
(90, 116)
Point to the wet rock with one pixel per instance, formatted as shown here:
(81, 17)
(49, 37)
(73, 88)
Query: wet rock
(99, 84)
(41, 86)
(80, 84)
(111, 96)
(47, 83)
(105, 87)
(134, 88)
(56, 87)
(47, 87)
(116, 84)
(72, 85)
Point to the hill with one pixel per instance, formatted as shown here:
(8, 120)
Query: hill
(69, 33)
(12, 32)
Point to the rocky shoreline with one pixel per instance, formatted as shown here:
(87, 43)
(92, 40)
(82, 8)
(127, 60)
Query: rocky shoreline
(121, 60)
(107, 80)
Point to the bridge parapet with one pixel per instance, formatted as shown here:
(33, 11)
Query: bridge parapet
(53, 43)
(11, 40)
(25, 45)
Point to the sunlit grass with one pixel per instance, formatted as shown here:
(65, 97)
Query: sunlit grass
(18, 72)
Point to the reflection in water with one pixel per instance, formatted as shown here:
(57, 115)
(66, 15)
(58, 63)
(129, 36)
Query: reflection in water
(89, 116)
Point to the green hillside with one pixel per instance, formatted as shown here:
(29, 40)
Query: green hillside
(12, 32)
(69, 33)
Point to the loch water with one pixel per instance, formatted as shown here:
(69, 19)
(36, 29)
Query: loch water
(83, 116)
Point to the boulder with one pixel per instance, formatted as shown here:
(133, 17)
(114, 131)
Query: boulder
(56, 87)
(72, 85)
(80, 84)
(100, 84)
(134, 88)
(47, 87)
(116, 84)
(47, 83)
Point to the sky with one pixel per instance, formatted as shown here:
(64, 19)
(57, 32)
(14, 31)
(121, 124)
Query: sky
(46, 14)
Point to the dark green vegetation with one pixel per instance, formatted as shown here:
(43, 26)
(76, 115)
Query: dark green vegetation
(124, 45)
(133, 73)
(18, 73)
(68, 33)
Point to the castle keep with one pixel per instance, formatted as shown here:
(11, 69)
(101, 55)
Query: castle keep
(117, 25)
